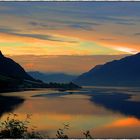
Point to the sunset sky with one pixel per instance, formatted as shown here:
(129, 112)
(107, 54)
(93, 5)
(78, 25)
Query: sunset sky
(69, 37)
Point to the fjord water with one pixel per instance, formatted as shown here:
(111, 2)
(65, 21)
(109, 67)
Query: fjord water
(108, 112)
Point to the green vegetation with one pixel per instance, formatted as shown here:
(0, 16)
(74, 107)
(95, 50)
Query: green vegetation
(14, 128)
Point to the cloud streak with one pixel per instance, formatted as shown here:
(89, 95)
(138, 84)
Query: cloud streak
(37, 36)
(137, 34)
(72, 27)
(63, 63)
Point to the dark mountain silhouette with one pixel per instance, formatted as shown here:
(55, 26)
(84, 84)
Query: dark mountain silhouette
(52, 77)
(10, 68)
(123, 72)
(13, 76)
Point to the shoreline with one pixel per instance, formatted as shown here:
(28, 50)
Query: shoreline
(31, 89)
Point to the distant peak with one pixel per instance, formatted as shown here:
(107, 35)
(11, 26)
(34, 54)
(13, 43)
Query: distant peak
(138, 53)
(1, 55)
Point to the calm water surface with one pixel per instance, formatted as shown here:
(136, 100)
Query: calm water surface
(108, 112)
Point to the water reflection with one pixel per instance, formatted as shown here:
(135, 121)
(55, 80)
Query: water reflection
(106, 112)
(9, 103)
(118, 102)
(126, 102)
(125, 127)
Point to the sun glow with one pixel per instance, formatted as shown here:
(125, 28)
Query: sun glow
(126, 50)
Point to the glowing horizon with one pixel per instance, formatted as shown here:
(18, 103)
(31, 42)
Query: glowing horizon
(69, 29)
(46, 28)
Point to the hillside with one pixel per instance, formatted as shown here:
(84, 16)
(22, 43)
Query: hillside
(52, 77)
(10, 68)
(13, 76)
(123, 72)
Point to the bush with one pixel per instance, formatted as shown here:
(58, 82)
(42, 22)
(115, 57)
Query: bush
(14, 128)
(61, 132)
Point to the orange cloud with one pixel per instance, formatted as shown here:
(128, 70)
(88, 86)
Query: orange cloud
(125, 122)
(29, 65)
(103, 35)
(62, 63)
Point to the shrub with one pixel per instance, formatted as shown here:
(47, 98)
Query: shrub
(14, 128)
(61, 132)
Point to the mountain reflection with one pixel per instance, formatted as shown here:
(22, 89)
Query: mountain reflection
(9, 103)
(118, 102)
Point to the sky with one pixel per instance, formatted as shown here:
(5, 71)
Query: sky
(68, 33)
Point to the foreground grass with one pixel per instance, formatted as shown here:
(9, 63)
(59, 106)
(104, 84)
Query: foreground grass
(14, 128)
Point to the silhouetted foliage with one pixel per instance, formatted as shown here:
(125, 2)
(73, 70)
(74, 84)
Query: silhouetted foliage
(87, 134)
(21, 129)
(62, 86)
(14, 128)
(61, 132)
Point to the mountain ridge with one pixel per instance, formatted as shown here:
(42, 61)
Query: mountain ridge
(52, 77)
(9, 67)
(123, 72)
(14, 78)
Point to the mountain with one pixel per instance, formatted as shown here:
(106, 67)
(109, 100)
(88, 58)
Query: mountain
(12, 75)
(123, 72)
(10, 68)
(52, 77)
(14, 78)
